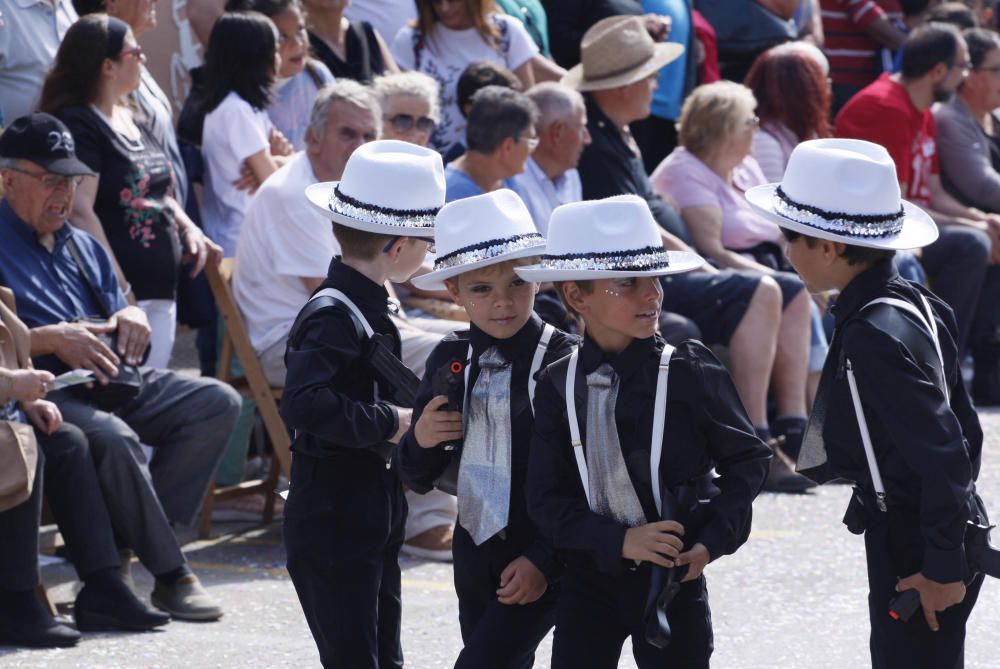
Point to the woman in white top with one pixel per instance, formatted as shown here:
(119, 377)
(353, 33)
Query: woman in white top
(240, 68)
(793, 102)
(450, 35)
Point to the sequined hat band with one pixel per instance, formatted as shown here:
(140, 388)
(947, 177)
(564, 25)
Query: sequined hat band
(493, 248)
(855, 225)
(637, 260)
(345, 205)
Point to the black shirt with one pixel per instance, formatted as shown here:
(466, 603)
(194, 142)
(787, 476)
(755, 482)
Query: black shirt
(706, 426)
(421, 466)
(610, 167)
(570, 19)
(329, 397)
(360, 42)
(928, 452)
(135, 179)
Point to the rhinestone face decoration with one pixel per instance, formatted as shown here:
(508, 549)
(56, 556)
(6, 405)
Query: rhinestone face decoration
(370, 213)
(487, 250)
(637, 260)
(875, 225)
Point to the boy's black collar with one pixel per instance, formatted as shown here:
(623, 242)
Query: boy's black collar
(356, 285)
(513, 347)
(863, 288)
(625, 363)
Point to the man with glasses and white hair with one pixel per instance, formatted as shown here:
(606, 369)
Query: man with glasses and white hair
(501, 136)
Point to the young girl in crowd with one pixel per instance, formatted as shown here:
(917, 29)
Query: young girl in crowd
(240, 145)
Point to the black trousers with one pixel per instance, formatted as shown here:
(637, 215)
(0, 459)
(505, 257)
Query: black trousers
(596, 612)
(343, 527)
(496, 636)
(894, 548)
(19, 538)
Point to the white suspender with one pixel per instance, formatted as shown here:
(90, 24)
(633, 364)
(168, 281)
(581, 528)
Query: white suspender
(659, 420)
(927, 320)
(337, 295)
(536, 364)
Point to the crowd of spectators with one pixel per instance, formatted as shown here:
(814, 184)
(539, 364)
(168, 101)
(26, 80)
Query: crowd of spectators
(109, 208)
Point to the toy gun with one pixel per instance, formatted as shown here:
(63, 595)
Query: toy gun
(982, 557)
(393, 375)
(449, 380)
(687, 508)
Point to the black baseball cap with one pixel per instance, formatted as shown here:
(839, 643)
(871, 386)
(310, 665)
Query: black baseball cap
(43, 139)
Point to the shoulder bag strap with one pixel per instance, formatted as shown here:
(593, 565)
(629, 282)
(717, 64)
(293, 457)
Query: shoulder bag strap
(96, 294)
(358, 30)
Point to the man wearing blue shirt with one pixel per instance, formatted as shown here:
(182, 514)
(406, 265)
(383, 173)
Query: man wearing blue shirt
(187, 421)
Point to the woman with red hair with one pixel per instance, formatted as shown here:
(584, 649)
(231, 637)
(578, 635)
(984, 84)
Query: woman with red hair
(793, 102)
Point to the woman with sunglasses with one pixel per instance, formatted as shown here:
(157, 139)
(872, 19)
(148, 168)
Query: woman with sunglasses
(130, 205)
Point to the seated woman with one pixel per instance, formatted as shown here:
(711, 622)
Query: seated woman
(790, 85)
(705, 177)
(350, 49)
(129, 206)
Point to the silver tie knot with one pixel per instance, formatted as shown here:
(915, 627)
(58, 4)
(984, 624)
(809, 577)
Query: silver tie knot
(603, 377)
(492, 358)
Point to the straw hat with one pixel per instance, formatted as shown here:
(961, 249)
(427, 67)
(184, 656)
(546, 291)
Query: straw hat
(388, 187)
(844, 190)
(612, 238)
(618, 51)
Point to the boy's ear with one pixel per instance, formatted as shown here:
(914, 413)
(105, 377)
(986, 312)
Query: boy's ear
(451, 285)
(836, 250)
(574, 297)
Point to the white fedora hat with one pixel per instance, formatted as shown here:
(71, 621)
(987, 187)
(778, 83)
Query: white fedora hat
(618, 51)
(479, 231)
(844, 190)
(606, 239)
(388, 187)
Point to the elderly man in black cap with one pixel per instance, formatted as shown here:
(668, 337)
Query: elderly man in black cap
(67, 292)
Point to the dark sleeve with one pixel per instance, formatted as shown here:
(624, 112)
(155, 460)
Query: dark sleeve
(555, 496)
(420, 467)
(87, 136)
(897, 393)
(566, 27)
(741, 459)
(310, 401)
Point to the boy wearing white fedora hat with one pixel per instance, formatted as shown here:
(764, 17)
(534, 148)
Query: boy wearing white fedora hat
(503, 565)
(345, 514)
(892, 414)
(627, 431)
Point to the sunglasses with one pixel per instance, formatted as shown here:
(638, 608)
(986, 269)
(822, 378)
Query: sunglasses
(404, 123)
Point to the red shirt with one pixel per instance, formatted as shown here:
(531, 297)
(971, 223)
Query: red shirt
(855, 58)
(884, 114)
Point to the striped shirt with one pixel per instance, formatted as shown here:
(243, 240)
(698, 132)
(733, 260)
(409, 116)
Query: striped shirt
(855, 58)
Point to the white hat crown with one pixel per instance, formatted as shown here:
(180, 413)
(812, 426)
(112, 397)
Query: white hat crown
(388, 186)
(478, 231)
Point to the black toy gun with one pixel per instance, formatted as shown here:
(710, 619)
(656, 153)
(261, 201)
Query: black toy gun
(393, 375)
(686, 507)
(448, 380)
(982, 557)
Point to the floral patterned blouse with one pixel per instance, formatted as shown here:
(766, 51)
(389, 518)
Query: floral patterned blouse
(135, 179)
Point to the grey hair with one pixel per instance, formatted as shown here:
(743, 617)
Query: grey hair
(343, 90)
(555, 102)
(413, 84)
(496, 114)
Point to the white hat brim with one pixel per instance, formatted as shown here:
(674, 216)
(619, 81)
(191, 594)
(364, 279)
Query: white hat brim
(680, 262)
(664, 54)
(919, 229)
(435, 280)
(319, 194)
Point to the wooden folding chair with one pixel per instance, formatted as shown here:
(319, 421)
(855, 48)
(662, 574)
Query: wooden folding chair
(252, 384)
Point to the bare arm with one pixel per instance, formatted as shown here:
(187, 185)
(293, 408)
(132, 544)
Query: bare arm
(262, 164)
(705, 224)
(311, 283)
(545, 70)
(387, 59)
(202, 14)
(883, 31)
(526, 74)
(83, 216)
(783, 8)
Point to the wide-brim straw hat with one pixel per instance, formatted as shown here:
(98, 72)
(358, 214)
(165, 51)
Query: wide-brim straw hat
(480, 231)
(618, 51)
(388, 187)
(844, 190)
(613, 238)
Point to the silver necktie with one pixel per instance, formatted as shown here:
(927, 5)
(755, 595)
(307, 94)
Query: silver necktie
(611, 491)
(484, 472)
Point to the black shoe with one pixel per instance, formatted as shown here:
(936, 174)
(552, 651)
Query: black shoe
(781, 475)
(107, 607)
(25, 622)
(793, 429)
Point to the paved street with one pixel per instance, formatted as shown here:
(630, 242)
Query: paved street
(793, 596)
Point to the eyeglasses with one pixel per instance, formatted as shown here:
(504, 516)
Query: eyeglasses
(753, 122)
(995, 69)
(134, 51)
(52, 181)
(404, 123)
(965, 66)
